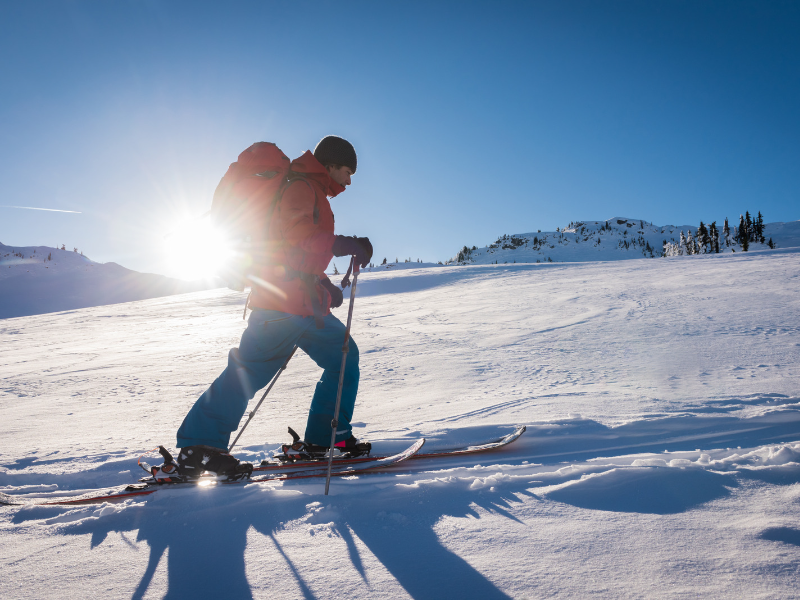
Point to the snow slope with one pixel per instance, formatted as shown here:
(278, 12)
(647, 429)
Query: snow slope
(31, 284)
(619, 238)
(662, 457)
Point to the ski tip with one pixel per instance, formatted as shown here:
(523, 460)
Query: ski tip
(515, 434)
(401, 456)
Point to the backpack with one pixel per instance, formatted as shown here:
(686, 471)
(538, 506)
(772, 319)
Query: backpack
(243, 205)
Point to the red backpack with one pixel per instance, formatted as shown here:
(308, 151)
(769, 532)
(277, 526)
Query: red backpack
(243, 205)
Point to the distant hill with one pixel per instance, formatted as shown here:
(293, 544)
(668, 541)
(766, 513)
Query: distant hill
(40, 279)
(619, 238)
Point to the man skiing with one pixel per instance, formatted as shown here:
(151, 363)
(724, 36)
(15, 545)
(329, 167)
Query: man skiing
(291, 301)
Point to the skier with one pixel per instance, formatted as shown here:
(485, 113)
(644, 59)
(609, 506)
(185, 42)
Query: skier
(291, 301)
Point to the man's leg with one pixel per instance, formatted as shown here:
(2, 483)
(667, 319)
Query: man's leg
(324, 346)
(265, 344)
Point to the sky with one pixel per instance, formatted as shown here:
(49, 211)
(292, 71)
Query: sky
(470, 119)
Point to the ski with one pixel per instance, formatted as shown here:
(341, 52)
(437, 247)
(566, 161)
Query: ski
(149, 486)
(439, 453)
(286, 471)
(112, 494)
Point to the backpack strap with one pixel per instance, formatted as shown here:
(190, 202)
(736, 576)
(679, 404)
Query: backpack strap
(294, 176)
(309, 281)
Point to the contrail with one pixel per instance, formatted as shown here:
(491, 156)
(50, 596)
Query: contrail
(77, 212)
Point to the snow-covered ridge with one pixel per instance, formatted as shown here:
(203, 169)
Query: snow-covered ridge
(40, 260)
(618, 238)
(41, 279)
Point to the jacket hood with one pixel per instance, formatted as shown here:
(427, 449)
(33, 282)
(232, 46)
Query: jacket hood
(312, 168)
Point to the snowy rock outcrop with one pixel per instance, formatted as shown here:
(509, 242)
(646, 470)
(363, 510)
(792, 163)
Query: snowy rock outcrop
(618, 238)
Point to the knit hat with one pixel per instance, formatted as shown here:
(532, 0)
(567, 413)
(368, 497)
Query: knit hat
(333, 150)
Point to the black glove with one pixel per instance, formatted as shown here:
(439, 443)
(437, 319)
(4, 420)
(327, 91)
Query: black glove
(355, 246)
(336, 294)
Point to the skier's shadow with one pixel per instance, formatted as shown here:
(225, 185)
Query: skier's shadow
(205, 531)
(205, 534)
(400, 530)
(206, 542)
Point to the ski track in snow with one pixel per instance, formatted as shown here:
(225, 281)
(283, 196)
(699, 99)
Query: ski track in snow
(662, 457)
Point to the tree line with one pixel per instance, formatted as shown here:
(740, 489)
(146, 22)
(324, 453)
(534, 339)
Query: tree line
(709, 240)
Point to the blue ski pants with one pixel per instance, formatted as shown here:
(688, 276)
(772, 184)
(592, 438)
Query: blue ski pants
(267, 341)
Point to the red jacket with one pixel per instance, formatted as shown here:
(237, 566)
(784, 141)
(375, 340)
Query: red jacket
(301, 230)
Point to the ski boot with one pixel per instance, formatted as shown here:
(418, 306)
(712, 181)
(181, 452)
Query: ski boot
(300, 450)
(352, 447)
(195, 462)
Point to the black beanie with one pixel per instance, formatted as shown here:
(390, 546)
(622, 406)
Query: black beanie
(333, 150)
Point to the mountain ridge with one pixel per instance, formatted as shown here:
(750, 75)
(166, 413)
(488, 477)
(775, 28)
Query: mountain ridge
(40, 279)
(618, 238)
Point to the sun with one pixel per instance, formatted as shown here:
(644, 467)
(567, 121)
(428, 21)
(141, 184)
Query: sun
(195, 249)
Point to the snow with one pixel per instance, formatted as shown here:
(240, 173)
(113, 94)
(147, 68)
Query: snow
(662, 457)
(618, 238)
(40, 279)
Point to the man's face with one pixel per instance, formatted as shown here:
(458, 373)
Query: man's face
(340, 175)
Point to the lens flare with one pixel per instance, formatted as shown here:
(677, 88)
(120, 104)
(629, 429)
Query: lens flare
(195, 249)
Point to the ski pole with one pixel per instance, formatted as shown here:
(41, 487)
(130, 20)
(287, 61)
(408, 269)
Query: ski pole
(345, 350)
(253, 412)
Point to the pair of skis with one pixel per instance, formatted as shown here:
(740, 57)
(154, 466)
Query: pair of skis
(277, 472)
(149, 485)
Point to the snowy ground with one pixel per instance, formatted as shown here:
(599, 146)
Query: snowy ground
(661, 458)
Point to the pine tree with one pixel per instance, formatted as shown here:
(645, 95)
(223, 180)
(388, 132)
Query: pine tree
(690, 245)
(335, 270)
(726, 231)
(771, 244)
(743, 235)
(683, 249)
(741, 231)
(384, 261)
(714, 233)
(702, 238)
(760, 227)
(748, 223)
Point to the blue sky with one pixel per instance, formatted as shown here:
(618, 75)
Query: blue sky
(470, 120)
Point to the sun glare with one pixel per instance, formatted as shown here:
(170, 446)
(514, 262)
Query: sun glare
(194, 249)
